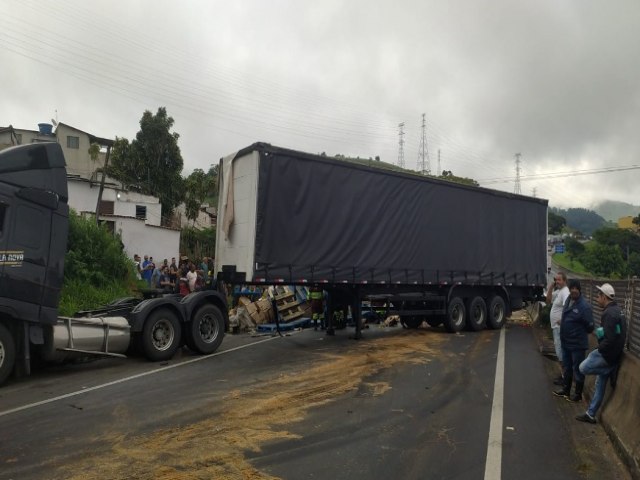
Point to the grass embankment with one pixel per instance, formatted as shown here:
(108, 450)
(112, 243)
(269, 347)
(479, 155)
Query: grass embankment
(574, 265)
(96, 268)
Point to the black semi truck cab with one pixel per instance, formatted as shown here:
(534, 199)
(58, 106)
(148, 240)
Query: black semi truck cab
(34, 221)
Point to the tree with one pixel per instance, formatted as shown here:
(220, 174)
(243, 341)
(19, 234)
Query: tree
(196, 190)
(581, 219)
(636, 220)
(604, 260)
(625, 240)
(94, 151)
(633, 264)
(449, 176)
(152, 163)
(574, 248)
(556, 222)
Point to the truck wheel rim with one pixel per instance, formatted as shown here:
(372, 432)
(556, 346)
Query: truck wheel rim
(456, 315)
(1, 354)
(208, 328)
(162, 335)
(478, 316)
(497, 313)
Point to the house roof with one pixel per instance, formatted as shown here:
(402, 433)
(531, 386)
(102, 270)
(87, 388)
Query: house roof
(107, 142)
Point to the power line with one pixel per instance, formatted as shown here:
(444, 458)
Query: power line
(571, 173)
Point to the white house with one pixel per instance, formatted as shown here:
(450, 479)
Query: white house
(136, 217)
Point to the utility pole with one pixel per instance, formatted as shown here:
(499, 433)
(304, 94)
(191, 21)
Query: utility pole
(424, 164)
(516, 188)
(401, 145)
(439, 170)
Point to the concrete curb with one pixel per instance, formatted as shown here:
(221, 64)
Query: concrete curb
(619, 413)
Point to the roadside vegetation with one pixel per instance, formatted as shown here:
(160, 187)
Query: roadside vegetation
(611, 252)
(96, 270)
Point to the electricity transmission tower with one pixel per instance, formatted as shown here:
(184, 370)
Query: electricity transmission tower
(424, 164)
(401, 145)
(516, 188)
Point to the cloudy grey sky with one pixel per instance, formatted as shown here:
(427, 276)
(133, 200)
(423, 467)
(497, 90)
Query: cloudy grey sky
(556, 81)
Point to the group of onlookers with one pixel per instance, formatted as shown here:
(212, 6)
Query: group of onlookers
(183, 277)
(571, 323)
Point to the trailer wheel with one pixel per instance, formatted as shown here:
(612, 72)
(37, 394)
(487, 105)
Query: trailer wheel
(206, 329)
(7, 353)
(160, 335)
(411, 322)
(456, 315)
(497, 312)
(476, 314)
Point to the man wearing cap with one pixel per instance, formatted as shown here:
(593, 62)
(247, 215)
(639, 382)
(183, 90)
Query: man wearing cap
(604, 359)
(576, 324)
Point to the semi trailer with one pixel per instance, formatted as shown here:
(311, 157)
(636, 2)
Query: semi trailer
(434, 250)
(33, 241)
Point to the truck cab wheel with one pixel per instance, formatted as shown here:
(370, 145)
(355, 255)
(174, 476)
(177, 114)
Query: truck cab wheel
(476, 314)
(7, 353)
(456, 315)
(205, 331)
(160, 335)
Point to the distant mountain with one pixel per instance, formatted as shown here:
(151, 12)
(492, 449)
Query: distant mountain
(612, 211)
(581, 219)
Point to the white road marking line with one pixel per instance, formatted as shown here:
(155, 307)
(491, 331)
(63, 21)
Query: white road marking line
(493, 465)
(132, 377)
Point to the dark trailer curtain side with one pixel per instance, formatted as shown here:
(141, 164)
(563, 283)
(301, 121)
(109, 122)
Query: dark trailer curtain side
(325, 220)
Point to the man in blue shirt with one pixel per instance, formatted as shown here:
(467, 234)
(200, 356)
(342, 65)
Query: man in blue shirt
(147, 269)
(575, 326)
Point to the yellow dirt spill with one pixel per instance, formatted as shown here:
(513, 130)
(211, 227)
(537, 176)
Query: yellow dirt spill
(214, 447)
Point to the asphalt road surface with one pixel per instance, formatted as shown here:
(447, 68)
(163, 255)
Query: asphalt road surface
(399, 404)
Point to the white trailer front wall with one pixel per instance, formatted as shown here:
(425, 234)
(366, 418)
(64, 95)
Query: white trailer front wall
(238, 248)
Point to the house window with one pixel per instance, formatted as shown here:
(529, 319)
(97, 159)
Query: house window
(19, 138)
(110, 226)
(73, 142)
(141, 212)
(106, 207)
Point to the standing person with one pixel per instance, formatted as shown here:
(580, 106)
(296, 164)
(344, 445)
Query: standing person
(204, 268)
(136, 260)
(605, 359)
(317, 306)
(173, 271)
(147, 269)
(575, 325)
(557, 295)
(192, 277)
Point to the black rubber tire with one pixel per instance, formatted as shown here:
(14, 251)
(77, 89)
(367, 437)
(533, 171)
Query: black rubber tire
(411, 322)
(476, 314)
(7, 353)
(456, 315)
(161, 335)
(205, 331)
(496, 313)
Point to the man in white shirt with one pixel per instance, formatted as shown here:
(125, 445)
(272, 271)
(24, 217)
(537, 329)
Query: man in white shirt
(192, 277)
(557, 294)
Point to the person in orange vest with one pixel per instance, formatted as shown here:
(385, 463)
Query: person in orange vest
(317, 306)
